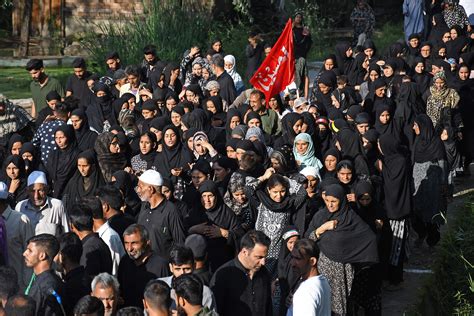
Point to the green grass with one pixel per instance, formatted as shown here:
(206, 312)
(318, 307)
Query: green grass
(15, 81)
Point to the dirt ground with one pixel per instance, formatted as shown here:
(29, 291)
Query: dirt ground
(419, 263)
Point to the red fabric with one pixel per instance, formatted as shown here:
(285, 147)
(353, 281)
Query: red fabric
(278, 69)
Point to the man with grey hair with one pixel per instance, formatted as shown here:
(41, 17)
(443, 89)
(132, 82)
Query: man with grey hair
(106, 288)
(159, 215)
(227, 91)
(140, 266)
(45, 213)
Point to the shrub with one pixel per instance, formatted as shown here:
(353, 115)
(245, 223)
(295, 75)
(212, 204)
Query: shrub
(450, 290)
(170, 28)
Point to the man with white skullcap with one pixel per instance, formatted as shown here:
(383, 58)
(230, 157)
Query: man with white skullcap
(46, 214)
(19, 230)
(158, 215)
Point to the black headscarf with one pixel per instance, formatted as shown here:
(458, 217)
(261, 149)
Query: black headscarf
(220, 250)
(454, 48)
(20, 193)
(101, 109)
(288, 203)
(62, 162)
(15, 138)
(76, 188)
(173, 157)
(330, 152)
(369, 213)
(150, 156)
(108, 162)
(428, 146)
(288, 134)
(351, 148)
(388, 127)
(36, 163)
(422, 80)
(344, 63)
(352, 241)
(397, 179)
(84, 136)
(230, 114)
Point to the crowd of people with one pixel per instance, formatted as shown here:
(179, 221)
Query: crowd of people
(172, 186)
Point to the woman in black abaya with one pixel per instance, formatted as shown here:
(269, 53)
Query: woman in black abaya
(100, 113)
(420, 76)
(61, 164)
(398, 191)
(344, 59)
(174, 159)
(330, 161)
(145, 159)
(291, 126)
(213, 219)
(349, 144)
(430, 174)
(84, 136)
(346, 242)
(31, 156)
(465, 88)
(15, 177)
(85, 181)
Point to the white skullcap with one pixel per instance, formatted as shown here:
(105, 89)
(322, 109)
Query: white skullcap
(3, 191)
(37, 177)
(311, 171)
(151, 177)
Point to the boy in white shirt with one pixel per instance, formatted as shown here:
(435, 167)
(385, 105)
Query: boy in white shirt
(313, 296)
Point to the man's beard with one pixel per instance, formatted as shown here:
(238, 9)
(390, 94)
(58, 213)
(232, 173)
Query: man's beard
(39, 78)
(137, 255)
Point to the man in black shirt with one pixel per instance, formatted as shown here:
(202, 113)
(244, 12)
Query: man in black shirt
(96, 256)
(242, 286)
(151, 63)
(76, 281)
(159, 215)
(76, 84)
(227, 91)
(139, 266)
(45, 286)
(112, 200)
(112, 60)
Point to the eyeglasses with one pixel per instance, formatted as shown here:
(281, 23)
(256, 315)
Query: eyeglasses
(115, 143)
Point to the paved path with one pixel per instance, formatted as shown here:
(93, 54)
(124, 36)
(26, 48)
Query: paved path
(419, 264)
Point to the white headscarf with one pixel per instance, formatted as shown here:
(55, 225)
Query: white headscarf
(230, 59)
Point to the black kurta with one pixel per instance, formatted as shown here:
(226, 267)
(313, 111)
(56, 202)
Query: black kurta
(237, 294)
(164, 225)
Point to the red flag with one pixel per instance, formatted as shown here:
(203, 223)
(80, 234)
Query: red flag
(278, 69)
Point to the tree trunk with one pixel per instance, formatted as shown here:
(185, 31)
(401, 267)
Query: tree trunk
(25, 27)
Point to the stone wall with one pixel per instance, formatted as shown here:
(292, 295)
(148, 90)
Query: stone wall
(47, 22)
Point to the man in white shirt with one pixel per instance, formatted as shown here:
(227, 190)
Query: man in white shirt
(313, 296)
(19, 230)
(105, 232)
(46, 214)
